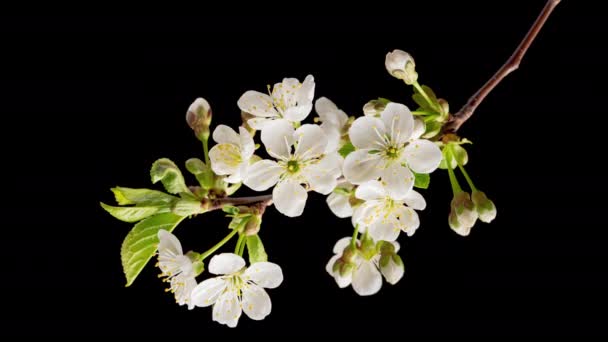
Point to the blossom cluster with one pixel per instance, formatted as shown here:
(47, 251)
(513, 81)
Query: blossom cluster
(367, 165)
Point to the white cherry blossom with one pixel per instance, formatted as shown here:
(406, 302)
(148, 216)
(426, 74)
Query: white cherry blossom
(290, 100)
(385, 216)
(334, 122)
(301, 160)
(232, 153)
(388, 147)
(366, 277)
(176, 267)
(237, 288)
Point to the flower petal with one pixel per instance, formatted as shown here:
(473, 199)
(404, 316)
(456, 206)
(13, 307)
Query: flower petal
(207, 292)
(225, 158)
(422, 156)
(277, 137)
(329, 112)
(329, 267)
(419, 128)
(311, 141)
(361, 166)
(256, 302)
(367, 279)
(385, 227)
(399, 180)
(371, 190)
(408, 220)
(258, 104)
(226, 263)
(259, 123)
(334, 136)
(341, 244)
(307, 91)
(246, 143)
(398, 121)
(367, 132)
(263, 174)
(339, 204)
(414, 200)
(322, 176)
(227, 309)
(182, 286)
(365, 214)
(223, 134)
(265, 274)
(289, 198)
(392, 272)
(169, 242)
(343, 281)
(284, 93)
(298, 113)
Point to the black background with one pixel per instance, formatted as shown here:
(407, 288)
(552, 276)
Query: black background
(89, 102)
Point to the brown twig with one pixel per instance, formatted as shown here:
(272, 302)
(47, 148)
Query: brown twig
(511, 65)
(265, 200)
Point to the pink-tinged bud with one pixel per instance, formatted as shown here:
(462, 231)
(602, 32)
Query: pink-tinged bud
(198, 118)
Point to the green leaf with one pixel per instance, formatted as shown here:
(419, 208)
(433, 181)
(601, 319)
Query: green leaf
(195, 166)
(432, 129)
(230, 209)
(168, 173)
(346, 149)
(201, 171)
(422, 180)
(421, 101)
(433, 106)
(141, 243)
(255, 249)
(125, 196)
(187, 207)
(133, 214)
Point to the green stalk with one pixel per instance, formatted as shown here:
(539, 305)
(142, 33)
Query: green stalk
(466, 176)
(456, 189)
(218, 245)
(239, 242)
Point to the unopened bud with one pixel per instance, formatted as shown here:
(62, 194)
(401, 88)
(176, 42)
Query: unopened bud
(401, 65)
(198, 118)
(392, 268)
(386, 248)
(349, 254)
(253, 225)
(374, 107)
(463, 214)
(484, 206)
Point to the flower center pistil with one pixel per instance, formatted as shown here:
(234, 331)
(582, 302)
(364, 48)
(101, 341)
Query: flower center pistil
(293, 166)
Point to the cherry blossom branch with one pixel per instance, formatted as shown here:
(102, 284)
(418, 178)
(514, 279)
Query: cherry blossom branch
(263, 200)
(511, 65)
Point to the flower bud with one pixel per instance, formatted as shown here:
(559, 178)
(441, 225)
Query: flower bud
(198, 118)
(391, 267)
(484, 206)
(253, 225)
(463, 214)
(374, 107)
(402, 66)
